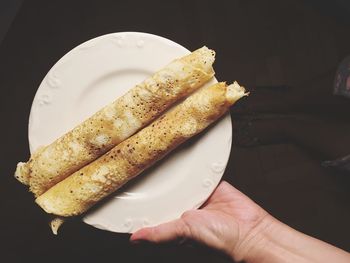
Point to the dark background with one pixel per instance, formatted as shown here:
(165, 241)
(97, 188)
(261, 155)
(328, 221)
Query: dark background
(285, 52)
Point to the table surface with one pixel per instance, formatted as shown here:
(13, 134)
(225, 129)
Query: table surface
(259, 43)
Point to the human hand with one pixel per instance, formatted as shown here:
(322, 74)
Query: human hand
(229, 221)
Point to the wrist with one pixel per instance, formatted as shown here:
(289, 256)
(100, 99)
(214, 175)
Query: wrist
(256, 242)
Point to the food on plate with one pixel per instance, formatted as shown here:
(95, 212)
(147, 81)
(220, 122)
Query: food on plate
(56, 223)
(93, 182)
(113, 124)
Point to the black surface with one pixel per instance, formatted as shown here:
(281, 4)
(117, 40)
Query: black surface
(258, 43)
(8, 10)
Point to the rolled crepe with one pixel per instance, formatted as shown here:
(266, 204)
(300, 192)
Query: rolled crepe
(95, 181)
(116, 121)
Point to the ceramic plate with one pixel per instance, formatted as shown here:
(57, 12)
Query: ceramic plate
(96, 73)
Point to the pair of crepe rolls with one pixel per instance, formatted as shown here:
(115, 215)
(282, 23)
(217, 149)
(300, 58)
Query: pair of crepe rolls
(116, 122)
(95, 181)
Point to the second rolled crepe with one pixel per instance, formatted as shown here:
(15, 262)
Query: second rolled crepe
(116, 121)
(95, 181)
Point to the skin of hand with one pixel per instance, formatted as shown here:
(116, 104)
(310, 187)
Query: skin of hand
(229, 221)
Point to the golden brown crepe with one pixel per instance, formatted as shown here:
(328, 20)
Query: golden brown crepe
(95, 181)
(116, 121)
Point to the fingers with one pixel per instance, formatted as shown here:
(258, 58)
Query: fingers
(225, 195)
(225, 186)
(218, 189)
(163, 233)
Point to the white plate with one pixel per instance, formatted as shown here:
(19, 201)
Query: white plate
(94, 74)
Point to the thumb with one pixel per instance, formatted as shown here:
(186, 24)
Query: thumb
(162, 233)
